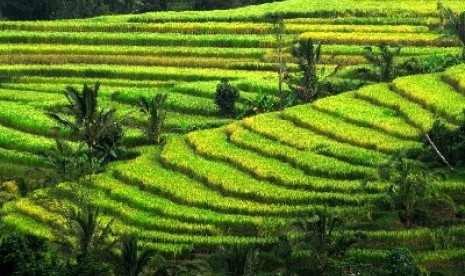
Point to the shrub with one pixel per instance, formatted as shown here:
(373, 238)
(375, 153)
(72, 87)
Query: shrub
(262, 103)
(225, 98)
(400, 262)
(430, 64)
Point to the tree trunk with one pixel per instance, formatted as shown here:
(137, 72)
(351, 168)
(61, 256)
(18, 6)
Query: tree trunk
(280, 61)
(443, 159)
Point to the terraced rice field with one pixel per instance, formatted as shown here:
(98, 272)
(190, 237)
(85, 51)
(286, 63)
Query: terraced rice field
(230, 184)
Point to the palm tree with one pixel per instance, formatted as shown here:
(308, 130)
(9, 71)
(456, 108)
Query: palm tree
(97, 129)
(154, 108)
(133, 259)
(237, 260)
(384, 62)
(408, 181)
(84, 236)
(308, 85)
(323, 240)
(454, 25)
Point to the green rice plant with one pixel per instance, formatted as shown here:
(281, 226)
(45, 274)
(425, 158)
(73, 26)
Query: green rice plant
(214, 144)
(109, 50)
(339, 130)
(412, 21)
(202, 27)
(274, 127)
(432, 93)
(9, 170)
(130, 73)
(29, 97)
(298, 8)
(197, 62)
(355, 50)
(146, 172)
(349, 28)
(226, 179)
(25, 118)
(455, 76)
(380, 94)
(25, 224)
(138, 218)
(21, 158)
(441, 258)
(138, 39)
(17, 140)
(365, 114)
(158, 205)
(415, 39)
(309, 162)
(198, 240)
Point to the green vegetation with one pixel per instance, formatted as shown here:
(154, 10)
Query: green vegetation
(196, 189)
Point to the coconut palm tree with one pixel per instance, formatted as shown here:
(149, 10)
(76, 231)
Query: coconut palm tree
(320, 241)
(97, 129)
(133, 259)
(154, 108)
(310, 83)
(85, 238)
(384, 62)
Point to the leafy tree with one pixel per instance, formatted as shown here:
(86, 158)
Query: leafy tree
(384, 62)
(454, 25)
(408, 181)
(133, 259)
(154, 108)
(320, 243)
(97, 129)
(27, 255)
(310, 84)
(225, 98)
(85, 238)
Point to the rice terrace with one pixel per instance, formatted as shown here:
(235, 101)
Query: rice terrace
(294, 137)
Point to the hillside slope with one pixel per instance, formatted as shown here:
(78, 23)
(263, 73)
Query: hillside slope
(228, 185)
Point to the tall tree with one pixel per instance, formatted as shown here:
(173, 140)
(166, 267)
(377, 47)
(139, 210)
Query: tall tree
(97, 129)
(310, 84)
(454, 25)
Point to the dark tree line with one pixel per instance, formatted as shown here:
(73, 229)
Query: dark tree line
(59, 9)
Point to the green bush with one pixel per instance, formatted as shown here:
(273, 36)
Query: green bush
(225, 97)
(400, 262)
